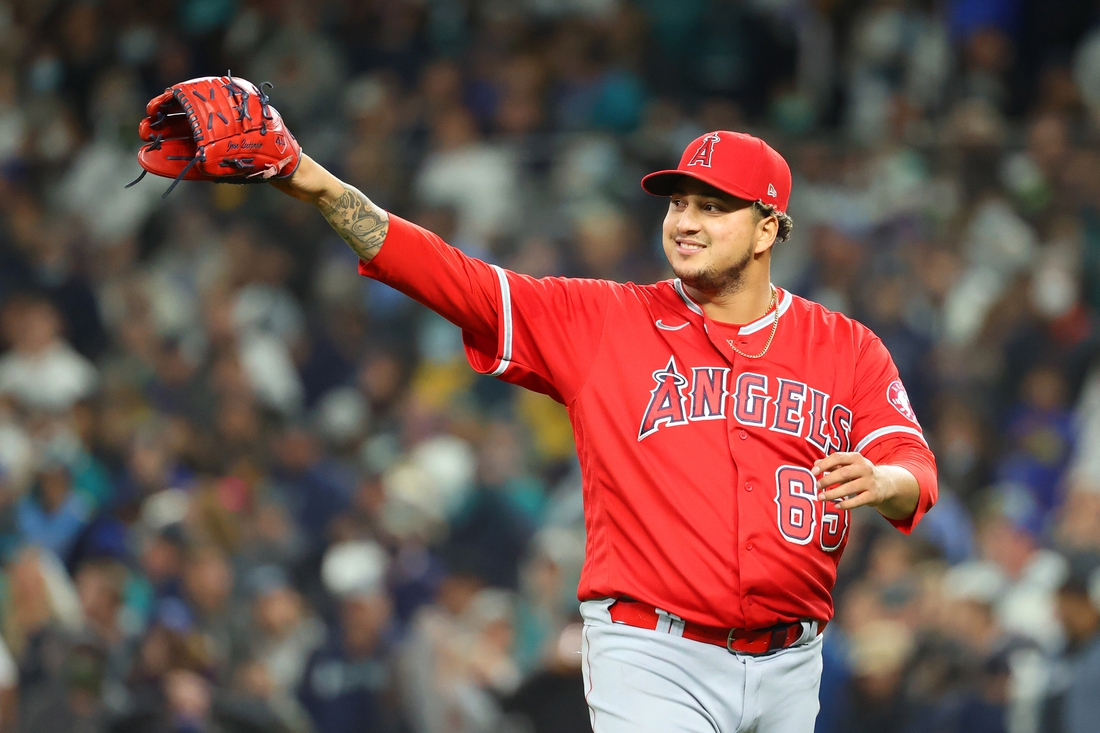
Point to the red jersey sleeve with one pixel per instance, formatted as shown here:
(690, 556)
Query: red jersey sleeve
(541, 334)
(885, 428)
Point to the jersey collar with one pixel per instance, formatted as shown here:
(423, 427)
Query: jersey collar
(785, 299)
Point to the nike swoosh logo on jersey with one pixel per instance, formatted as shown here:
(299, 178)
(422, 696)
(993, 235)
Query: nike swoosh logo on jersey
(669, 328)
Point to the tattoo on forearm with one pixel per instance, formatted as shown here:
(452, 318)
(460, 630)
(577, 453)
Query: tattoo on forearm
(358, 222)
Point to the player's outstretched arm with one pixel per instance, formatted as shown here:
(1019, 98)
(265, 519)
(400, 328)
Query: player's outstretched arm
(358, 221)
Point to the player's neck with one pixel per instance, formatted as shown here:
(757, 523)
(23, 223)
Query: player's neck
(745, 305)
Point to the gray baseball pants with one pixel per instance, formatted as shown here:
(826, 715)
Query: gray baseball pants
(643, 681)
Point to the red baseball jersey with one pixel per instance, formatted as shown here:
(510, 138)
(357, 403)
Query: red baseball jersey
(696, 461)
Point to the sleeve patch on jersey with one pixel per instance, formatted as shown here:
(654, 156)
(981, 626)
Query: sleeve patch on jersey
(898, 397)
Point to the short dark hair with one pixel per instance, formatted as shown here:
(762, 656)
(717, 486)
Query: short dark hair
(786, 224)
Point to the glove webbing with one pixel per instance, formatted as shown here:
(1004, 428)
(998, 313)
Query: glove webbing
(242, 107)
(265, 113)
(234, 92)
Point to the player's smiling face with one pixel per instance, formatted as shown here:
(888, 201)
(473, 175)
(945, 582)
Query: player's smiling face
(711, 237)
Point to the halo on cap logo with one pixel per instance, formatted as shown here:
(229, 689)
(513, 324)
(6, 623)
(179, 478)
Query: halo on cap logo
(706, 150)
(771, 191)
(898, 397)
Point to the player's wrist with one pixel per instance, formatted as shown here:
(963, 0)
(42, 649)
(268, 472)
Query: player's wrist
(311, 183)
(900, 492)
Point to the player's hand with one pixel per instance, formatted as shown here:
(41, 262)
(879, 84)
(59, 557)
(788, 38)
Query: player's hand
(852, 481)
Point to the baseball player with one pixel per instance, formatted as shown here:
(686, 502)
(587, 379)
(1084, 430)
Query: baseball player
(725, 429)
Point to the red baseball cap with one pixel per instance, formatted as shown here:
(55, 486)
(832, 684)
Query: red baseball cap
(741, 165)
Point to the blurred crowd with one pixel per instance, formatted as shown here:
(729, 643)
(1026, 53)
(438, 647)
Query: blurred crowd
(243, 489)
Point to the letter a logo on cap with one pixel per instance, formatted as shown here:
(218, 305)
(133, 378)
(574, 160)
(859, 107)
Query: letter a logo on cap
(771, 191)
(706, 150)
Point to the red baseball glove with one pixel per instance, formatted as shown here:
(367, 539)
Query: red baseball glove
(216, 128)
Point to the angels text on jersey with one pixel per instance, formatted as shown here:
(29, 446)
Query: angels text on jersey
(681, 396)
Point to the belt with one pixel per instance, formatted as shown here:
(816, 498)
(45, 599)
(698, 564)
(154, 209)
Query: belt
(755, 642)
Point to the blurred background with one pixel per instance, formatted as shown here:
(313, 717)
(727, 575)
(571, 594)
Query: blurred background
(243, 489)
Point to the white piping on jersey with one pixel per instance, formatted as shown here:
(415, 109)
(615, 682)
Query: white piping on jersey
(767, 320)
(763, 322)
(876, 434)
(506, 309)
(666, 327)
(687, 301)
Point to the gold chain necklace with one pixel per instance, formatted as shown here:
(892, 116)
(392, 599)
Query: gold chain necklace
(775, 325)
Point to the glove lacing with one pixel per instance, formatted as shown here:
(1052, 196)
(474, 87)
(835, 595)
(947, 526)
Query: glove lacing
(200, 157)
(154, 145)
(265, 112)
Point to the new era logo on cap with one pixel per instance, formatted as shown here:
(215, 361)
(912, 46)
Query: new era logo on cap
(739, 164)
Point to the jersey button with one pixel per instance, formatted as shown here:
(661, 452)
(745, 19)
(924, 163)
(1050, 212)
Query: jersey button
(744, 435)
(748, 487)
(748, 546)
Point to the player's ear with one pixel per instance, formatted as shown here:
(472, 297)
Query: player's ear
(766, 231)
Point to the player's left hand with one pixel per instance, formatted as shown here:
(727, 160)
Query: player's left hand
(852, 481)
